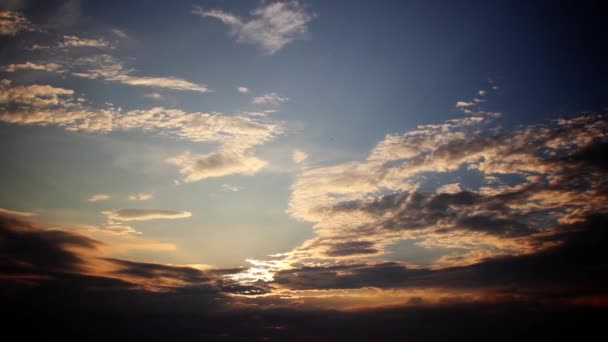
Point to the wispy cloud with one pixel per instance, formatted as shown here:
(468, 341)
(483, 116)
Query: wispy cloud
(272, 99)
(141, 196)
(145, 214)
(16, 213)
(99, 197)
(154, 96)
(107, 68)
(75, 41)
(50, 67)
(230, 187)
(271, 26)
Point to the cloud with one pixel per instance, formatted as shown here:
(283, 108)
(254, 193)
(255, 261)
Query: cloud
(141, 196)
(243, 90)
(230, 187)
(554, 174)
(299, 156)
(196, 167)
(145, 214)
(75, 41)
(271, 26)
(462, 104)
(12, 23)
(99, 197)
(272, 99)
(236, 134)
(16, 213)
(154, 96)
(49, 67)
(107, 68)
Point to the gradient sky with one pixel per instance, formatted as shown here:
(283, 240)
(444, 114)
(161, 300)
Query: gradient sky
(340, 154)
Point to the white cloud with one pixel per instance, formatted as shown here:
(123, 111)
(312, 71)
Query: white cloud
(462, 104)
(216, 164)
(299, 156)
(482, 92)
(236, 134)
(50, 67)
(145, 214)
(75, 41)
(141, 196)
(107, 68)
(13, 22)
(271, 26)
(272, 99)
(99, 197)
(243, 90)
(16, 213)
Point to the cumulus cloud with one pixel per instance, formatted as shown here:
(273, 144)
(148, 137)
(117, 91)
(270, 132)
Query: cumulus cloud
(243, 90)
(299, 156)
(272, 99)
(13, 22)
(271, 26)
(145, 214)
(141, 196)
(99, 197)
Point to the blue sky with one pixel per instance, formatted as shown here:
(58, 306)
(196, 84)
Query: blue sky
(275, 135)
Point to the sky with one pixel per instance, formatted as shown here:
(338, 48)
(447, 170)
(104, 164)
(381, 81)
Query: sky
(287, 161)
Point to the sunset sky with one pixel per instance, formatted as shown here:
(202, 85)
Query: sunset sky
(321, 157)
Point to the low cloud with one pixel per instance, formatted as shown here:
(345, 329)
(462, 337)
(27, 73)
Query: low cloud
(271, 26)
(145, 214)
(243, 90)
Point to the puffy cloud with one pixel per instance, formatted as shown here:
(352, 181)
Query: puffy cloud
(299, 156)
(13, 22)
(461, 104)
(243, 90)
(272, 99)
(99, 197)
(271, 26)
(145, 214)
(141, 196)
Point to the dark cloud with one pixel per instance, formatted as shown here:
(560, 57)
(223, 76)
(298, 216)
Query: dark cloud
(575, 266)
(352, 248)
